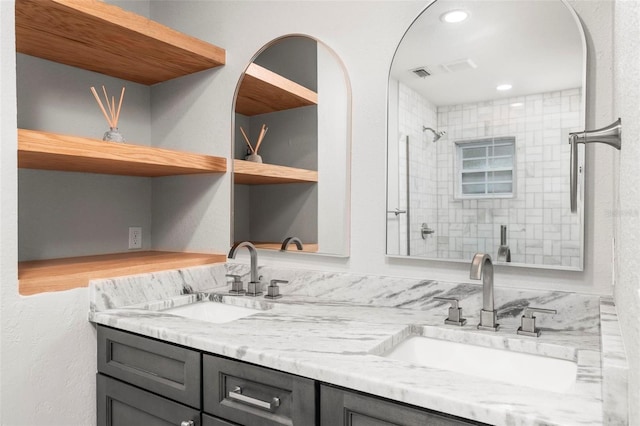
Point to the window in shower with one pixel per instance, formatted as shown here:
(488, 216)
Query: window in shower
(486, 168)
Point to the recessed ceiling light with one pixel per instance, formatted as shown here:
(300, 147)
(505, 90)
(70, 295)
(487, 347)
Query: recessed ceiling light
(517, 105)
(504, 87)
(454, 16)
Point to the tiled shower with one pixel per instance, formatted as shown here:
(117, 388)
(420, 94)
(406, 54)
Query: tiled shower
(540, 227)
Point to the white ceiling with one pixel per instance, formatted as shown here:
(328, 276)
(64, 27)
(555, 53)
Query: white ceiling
(535, 45)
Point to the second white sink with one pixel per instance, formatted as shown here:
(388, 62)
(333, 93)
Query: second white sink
(539, 372)
(212, 312)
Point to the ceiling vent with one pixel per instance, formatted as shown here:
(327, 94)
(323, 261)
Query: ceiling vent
(421, 72)
(459, 65)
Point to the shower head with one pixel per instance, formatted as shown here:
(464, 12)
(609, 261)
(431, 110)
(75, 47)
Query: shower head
(436, 134)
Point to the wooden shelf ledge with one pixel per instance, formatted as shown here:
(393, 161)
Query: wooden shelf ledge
(51, 151)
(104, 38)
(41, 276)
(250, 173)
(263, 91)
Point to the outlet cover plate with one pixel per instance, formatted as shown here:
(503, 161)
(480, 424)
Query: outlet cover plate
(135, 237)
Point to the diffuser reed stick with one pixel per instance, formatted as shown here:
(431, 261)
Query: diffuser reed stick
(246, 139)
(254, 156)
(114, 114)
(263, 131)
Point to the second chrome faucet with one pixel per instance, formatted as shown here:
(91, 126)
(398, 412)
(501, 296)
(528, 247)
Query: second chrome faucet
(482, 268)
(254, 286)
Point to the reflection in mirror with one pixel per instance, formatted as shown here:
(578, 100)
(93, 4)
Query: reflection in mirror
(479, 115)
(292, 149)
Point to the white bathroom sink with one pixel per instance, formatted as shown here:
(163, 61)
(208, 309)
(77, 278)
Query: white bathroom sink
(539, 372)
(212, 311)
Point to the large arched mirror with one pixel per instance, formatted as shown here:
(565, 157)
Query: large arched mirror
(482, 97)
(292, 149)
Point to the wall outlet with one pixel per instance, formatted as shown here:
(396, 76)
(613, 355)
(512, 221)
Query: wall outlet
(135, 237)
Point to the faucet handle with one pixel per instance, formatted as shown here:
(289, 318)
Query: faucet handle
(528, 321)
(273, 291)
(236, 285)
(455, 312)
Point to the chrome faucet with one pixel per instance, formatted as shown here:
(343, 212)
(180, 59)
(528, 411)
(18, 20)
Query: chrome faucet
(482, 268)
(289, 240)
(254, 258)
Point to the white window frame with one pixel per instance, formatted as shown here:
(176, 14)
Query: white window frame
(485, 142)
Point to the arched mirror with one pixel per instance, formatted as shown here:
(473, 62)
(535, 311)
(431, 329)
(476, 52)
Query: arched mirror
(482, 97)
(292, 149)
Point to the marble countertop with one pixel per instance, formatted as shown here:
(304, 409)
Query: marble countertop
(334, 327)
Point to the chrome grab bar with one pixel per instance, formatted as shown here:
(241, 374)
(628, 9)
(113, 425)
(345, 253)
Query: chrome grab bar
(610, 135)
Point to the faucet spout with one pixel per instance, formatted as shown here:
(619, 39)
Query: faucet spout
(482, 268)
(291, 240)
(254, 257)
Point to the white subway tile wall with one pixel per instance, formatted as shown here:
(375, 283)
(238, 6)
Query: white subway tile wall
(540, 228)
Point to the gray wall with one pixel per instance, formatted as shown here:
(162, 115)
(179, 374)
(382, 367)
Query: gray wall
(73, 214)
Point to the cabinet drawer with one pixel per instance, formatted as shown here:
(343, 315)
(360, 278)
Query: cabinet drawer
(214, 421)
(120, 404)
(256, 396)
(346, 408)
(159, 367)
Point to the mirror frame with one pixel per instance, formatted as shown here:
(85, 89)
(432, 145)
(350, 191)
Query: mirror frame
(348, 140)
(581, 154)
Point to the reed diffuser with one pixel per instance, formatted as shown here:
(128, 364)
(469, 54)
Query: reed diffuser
(113, 134)
(254, 156)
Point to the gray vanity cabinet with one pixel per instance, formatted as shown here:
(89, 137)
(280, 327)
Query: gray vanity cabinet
(165, 369)
(341, 407)
(256, 396)
(162, 381)
(143, 381)
(120, 404)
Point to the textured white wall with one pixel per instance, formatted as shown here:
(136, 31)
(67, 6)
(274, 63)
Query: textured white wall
(8, 176)
(627, 213)
(48, 347)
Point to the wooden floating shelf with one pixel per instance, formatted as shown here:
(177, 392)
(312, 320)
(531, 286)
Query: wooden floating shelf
(263, 91)
(50, 151)
(250, 173)
(306, 247)
(40, 276)
(99, 37)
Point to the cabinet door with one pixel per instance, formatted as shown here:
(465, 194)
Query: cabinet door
(168, 370)
(344, 408)
(120, 404)
(256, 396)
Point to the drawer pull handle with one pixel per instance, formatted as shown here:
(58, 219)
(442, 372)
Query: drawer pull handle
(236, 394)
